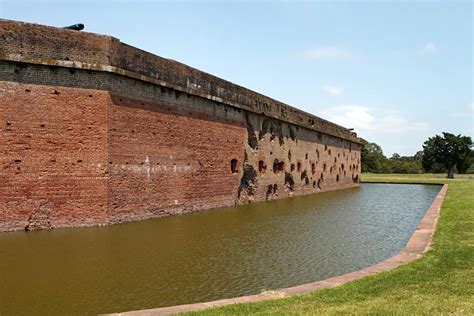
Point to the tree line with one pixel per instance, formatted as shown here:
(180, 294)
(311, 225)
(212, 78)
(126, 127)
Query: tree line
(441, 153)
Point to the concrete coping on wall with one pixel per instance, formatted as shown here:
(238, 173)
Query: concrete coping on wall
(419, 243)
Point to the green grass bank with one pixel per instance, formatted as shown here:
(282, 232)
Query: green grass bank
(441, 282)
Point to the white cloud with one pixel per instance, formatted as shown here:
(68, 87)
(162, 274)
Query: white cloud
(333, 90)
(368, 120)
(391, 130)
(326, 53)
(429, 48)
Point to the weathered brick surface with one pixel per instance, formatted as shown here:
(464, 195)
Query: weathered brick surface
(164, 162)
(285, 160)
(78, 157)
(86, 147)
(53, 159)
(37, 40)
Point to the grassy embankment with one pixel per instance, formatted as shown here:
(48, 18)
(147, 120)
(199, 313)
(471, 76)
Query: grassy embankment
(441, 282)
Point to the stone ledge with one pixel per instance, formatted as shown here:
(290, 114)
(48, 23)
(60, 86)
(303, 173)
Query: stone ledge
(419, 243)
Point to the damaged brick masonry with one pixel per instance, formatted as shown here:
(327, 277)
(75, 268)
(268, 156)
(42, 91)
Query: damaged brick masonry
(97, 132)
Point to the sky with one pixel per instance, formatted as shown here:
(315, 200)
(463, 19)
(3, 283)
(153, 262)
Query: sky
(397, 72)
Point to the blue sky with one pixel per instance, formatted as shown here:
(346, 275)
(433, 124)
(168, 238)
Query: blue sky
(397, 72)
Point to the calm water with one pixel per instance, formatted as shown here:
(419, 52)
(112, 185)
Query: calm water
(210, 255)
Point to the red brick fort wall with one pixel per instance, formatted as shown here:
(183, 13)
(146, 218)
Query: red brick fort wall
(94, 132)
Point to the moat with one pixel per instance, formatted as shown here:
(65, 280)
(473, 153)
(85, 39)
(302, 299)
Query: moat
(204, 256)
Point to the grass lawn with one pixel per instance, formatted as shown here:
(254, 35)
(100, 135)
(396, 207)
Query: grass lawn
(441, 282)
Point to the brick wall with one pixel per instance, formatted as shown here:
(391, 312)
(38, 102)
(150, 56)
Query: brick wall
(84, 146)
(284, 160)
(165, 161)
(80, 157)
(37, 40)
(53, 156)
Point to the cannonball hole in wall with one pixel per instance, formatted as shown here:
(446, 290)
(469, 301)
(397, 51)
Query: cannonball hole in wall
(337, 178)
(278, 166)
(298, 166)
(262, 167)
(233, 166)
(355, 178)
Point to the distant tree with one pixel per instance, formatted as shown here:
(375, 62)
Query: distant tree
(449, 151)
(467, 164)
(404, 164)
(463, 166)
(471, 168)
(419, 155)
(372, 158)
